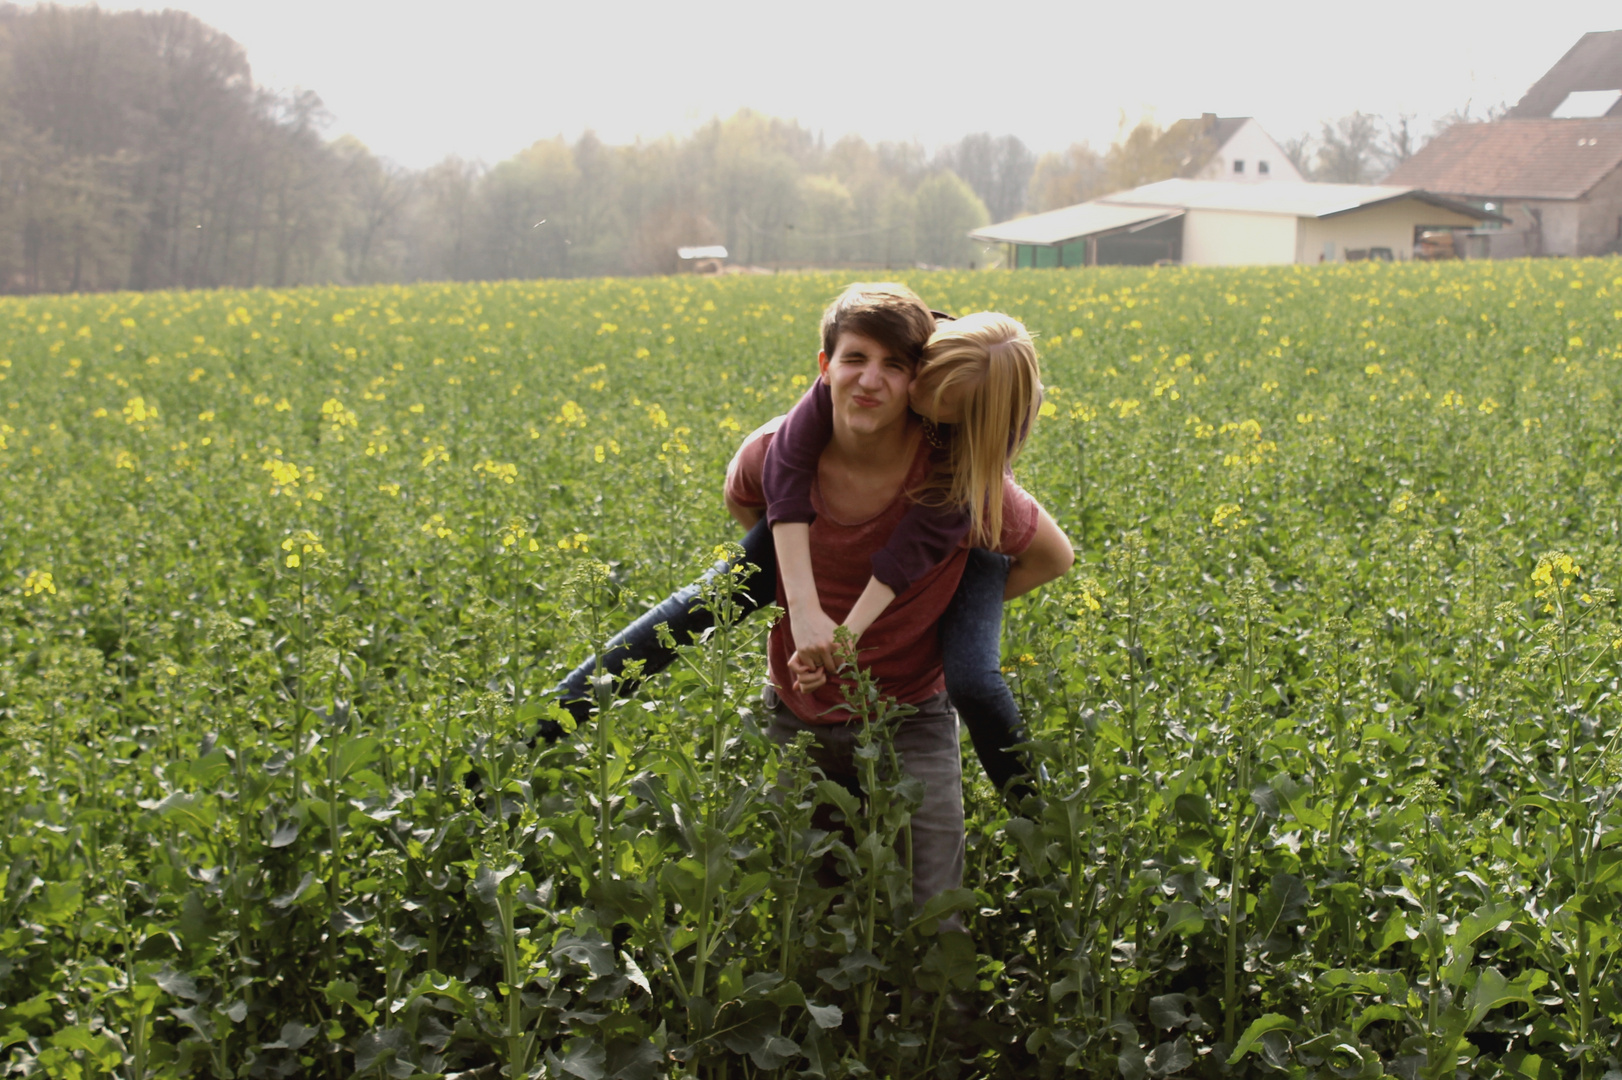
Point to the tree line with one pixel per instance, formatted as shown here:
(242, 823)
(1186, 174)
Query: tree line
(136, 152)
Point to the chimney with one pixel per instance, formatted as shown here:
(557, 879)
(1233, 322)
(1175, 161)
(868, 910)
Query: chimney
(1208, 121)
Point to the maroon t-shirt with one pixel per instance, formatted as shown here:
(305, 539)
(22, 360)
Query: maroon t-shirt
(901, 647)
(922, 539)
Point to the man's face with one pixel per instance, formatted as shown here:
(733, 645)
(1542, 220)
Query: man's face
(869, 383)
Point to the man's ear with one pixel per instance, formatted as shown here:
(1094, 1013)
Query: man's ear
(822, 366)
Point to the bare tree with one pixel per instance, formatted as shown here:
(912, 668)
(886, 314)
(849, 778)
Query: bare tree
(998, 169)
(1347, 150)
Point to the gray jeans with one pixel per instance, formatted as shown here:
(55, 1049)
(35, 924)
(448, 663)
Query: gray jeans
(927, 746)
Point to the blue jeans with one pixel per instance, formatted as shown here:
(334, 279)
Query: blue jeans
(970, 638)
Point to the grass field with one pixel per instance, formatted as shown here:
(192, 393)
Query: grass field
(1329, 704)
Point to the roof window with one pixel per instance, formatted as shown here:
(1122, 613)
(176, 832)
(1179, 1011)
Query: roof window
(1586, 104)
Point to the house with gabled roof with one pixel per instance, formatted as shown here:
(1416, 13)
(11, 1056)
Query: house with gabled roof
(1552, 168)
(1232, 148)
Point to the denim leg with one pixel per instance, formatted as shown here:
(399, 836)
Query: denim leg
(971, 653)
(640, 640)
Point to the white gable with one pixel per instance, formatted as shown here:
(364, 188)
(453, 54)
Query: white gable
(1250, 156)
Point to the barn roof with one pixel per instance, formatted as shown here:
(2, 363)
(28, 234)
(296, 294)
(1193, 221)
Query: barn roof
(1296, 198)
(1594, 63)
(1526, 159)
(1139, 208)
(1069, 223)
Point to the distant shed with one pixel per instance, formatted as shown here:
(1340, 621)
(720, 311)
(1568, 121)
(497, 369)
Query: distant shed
(1214, 223)
(703, 259)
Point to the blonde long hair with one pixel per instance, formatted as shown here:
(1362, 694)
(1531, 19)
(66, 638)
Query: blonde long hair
(985, 362)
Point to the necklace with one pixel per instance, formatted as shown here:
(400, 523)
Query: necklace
(932, 434)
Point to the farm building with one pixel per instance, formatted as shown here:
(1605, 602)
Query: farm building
(1233, 148)
(1214, 223)
(1552, 167)
(1558, 183)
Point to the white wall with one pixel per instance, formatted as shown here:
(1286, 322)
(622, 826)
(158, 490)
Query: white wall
(1389, 225)
(1236, 238)
(1251, 145)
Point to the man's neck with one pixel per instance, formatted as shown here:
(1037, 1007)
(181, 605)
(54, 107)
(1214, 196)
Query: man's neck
(876, 449)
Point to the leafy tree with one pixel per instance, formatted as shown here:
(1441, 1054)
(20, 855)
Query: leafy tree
(1067, 178)
(947, 208)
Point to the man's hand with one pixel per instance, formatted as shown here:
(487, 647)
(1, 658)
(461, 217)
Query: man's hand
(813, 635)
(808, 678)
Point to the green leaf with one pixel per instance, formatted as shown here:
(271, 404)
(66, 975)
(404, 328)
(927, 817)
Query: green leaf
(1170, 1058)
(180, 985)
(1131, 1063)
(1181, 918)
(1491, 991)
(342, 991)
(583, 1058)
(355, 752)
(1391, 932)
(306, 887)
(1193, 809)
(943, 904)
(1375, 1013)
(589, 949)
(825, 1016)
(1168, 1011)
(1259, 1027)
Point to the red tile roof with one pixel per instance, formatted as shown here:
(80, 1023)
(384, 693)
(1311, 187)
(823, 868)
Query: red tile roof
(1526, 159)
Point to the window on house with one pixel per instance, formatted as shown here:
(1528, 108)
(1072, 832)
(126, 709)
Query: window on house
(1238, 165)
(1261, 168)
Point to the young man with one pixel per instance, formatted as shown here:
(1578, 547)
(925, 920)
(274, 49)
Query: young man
(871, 346)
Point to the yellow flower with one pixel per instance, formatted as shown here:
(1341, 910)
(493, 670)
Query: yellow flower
(496, 470)
(37, 582)
(1549, 566)
(284, 475)
(137, 411)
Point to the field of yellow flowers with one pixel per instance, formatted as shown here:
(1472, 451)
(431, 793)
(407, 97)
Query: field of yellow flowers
(1328, 708)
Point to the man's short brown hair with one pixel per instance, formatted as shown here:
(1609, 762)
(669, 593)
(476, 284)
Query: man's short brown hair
(890, 314)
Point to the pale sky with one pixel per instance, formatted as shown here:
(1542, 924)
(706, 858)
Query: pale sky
(483, 79)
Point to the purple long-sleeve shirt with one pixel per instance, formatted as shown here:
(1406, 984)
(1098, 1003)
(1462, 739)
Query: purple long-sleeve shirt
(925, 536)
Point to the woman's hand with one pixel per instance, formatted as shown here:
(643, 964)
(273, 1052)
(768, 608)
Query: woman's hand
(808, 678)
(813, 634)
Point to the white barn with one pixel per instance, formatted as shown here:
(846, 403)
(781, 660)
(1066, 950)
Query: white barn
(1219, 223)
